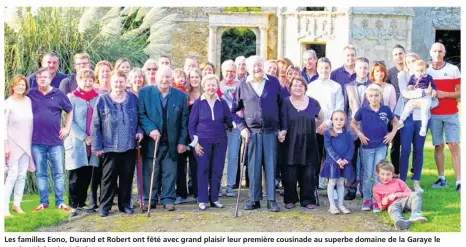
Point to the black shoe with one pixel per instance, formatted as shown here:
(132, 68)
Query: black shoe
(350, 196)
(273, 206)
(127, 210)
(103, 213)
(252, 205)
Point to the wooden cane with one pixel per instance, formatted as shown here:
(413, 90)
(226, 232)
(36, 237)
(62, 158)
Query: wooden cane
(244, 147)
(152, 178)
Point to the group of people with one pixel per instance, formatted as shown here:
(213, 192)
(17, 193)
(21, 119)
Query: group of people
(297, 125)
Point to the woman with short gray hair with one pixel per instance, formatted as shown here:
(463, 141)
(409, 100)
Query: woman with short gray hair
(226, 91)
(137, 80)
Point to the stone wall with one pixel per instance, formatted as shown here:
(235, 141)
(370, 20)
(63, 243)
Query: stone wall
(426, 21)
(189, 38)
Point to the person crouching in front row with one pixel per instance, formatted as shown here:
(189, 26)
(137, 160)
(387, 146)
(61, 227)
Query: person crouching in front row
(207, 121)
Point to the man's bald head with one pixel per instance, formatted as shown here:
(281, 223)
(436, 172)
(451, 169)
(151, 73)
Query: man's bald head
(437, 52)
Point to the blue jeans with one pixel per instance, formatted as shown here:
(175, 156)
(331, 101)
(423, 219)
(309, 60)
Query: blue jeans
(41, 154)
(262, 146)
(410, 135)
(234, 143)
(370, 158)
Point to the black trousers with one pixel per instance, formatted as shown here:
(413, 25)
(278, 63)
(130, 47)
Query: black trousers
(291, 174)
(79, 180)
(96, 179)
(117, 166)
(352, 184)
(395, 152)
(181, 185)
(321, 152)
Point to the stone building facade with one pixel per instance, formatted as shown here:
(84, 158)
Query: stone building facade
(287, 32)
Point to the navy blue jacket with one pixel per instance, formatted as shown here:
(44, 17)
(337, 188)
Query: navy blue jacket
(260, 113)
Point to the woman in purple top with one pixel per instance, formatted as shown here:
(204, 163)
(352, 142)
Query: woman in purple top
(207, 121)
(300, 158)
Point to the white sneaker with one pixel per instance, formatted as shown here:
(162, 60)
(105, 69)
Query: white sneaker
(344, 210)
(417, 187)
(202, 206)
(422, 132)
(334, 210)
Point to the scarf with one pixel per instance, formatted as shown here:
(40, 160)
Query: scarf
(87, 96)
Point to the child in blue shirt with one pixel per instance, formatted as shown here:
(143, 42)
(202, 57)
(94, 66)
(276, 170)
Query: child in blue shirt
(374, 137)
(339, 147)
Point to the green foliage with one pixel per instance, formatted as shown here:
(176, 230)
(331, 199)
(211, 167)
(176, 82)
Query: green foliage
(238, 42)
(242, 9)
(56, 29)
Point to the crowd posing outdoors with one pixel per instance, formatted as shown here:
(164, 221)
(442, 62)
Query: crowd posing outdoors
(298, 126)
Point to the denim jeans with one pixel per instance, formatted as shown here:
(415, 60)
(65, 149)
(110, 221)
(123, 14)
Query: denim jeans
(234, 143)
(41, 154)
(370, 158)
(410, 135)
(262, 149)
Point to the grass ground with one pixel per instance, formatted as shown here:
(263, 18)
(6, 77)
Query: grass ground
(440, 206)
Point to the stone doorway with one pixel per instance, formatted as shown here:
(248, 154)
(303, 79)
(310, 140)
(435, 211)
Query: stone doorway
(451, 39)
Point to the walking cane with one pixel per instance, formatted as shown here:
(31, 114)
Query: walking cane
(152, 178)
(139, 179)
(244, 148)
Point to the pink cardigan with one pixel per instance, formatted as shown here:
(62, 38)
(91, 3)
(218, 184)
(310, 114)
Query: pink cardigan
(18, 130)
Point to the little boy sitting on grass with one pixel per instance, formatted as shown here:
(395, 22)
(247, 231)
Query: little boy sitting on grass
(394, 195)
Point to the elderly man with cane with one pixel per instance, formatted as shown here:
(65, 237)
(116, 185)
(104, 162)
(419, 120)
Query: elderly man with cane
(162, 110)
(260, 99)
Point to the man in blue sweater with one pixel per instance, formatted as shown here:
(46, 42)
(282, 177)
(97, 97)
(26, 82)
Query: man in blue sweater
(259, 98)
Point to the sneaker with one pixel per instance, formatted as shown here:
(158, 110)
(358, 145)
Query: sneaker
(343, 209)
(229, 191)
(375, 208)
(418, 188)
(334, 210)
(202, 206)
(180, 200)
(64, 207)
(458, 187)
(366, 205)
(402, 224)
(422, 132)
(216, 204)
(40, 208)
(400, 124)
(440, 183)
(74, 212)
(417, 218)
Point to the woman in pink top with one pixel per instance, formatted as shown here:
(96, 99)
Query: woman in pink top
(379, 75)
(18, 136)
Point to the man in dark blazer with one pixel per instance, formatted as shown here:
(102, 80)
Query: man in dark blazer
(163, 115)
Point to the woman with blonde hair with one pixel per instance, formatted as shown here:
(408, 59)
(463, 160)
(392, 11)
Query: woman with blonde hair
(103, 69)
(79, 160)
(17, 141)
(409, 134)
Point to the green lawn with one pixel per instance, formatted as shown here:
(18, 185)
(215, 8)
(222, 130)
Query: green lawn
(441, 207)
(29, 221)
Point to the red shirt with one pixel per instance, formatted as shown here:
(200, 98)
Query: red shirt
(446, 79)
(396, 185)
